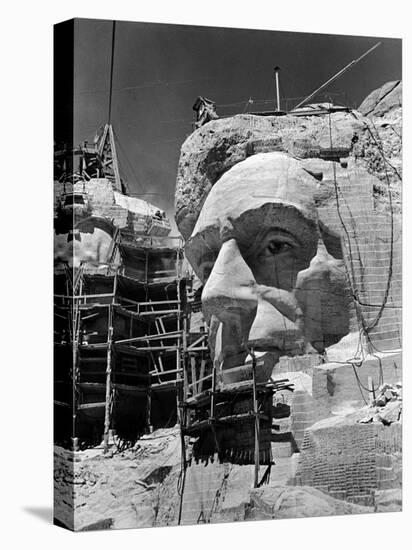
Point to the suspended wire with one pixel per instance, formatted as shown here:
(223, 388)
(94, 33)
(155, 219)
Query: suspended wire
(282, 94)
(268, 90)
(287, 99)
(136, 179)
(391, 249)
(364, 328)
(360, 386)
(145, 85)
(111, 72)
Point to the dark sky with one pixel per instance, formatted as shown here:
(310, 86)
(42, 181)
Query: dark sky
(159, 70)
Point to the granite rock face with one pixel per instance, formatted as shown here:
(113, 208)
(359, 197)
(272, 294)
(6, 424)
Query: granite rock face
(383, 100)
(341, 170)
(279, 502)
(214, 148)
(329, 184)
(122, 489)
(363, 135)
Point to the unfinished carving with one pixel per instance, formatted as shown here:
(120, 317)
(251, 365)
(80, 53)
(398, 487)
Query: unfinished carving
(269, 281)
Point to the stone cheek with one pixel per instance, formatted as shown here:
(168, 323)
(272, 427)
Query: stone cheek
(323, 293)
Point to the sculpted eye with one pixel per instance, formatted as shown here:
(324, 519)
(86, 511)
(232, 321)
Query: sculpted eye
(277, 246)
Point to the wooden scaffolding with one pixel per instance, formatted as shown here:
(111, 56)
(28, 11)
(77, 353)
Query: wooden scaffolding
(226, 412)
(119, 341)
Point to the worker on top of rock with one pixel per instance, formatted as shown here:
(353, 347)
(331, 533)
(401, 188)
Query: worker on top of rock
(205, 111)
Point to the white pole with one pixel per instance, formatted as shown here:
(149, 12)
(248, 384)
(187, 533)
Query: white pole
(277, 69)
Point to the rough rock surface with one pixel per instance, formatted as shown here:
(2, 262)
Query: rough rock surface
(280, 502)
(214, 148)
(351, 460)
(120, 489)
(382, 100)
(139, 488)
(217, 146)
(380, 146)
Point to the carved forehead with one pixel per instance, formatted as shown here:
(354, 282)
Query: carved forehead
(267, 178)
(268, 192)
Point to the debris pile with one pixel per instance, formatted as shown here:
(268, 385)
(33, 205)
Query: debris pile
(127, 489)
(387, 405)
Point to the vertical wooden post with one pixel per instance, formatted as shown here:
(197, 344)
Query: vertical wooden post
(107, 414)
(371, 388)
(178, 354)
(257, 423)
(217, 361)
(74, 391)
(108, 398)
(184, 358)
(131, 328)
(76, 324)
(149, 410)
(202, 373)
(193, 372)
(212, 399)
(146, 271)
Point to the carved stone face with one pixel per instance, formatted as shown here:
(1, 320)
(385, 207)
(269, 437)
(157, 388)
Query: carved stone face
(269, 281)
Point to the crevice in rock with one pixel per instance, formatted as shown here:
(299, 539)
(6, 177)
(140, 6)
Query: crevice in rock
(383, 97)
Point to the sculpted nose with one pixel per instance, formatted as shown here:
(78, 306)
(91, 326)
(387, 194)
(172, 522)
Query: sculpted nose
(231, 288)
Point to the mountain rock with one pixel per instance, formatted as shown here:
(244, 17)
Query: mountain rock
(374, 143)
(383, 100)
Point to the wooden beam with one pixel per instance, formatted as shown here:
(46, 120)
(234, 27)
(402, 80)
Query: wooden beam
(201, 375)
(157, 348)
(160, 312)
(115, 161)
(158, 302)
(164, 385)
(193, 371)
(167, 336)
(201, 379)
(108, 401)
(149, 410)
(257, 421)
(62, 404)
(162, 373)
(82, 296)
(97, 405)
(196, 342)
(242, 416)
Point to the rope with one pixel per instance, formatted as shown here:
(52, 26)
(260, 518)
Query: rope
(362, 325)
(129, 163)
(354, 291)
